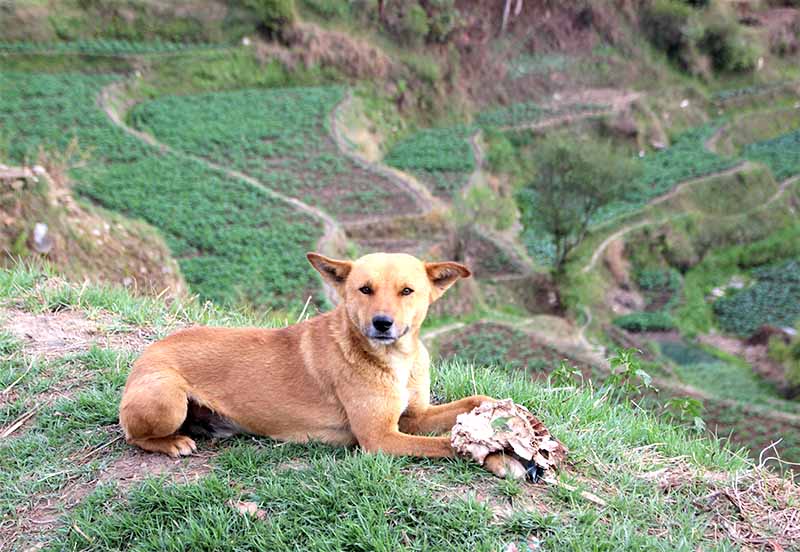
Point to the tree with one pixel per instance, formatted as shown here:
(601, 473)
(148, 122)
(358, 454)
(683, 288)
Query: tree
(574, 180)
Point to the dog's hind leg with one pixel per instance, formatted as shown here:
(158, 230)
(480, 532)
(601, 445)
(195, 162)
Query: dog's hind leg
(153, 408)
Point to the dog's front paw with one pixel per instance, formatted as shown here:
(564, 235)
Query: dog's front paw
(504, 466)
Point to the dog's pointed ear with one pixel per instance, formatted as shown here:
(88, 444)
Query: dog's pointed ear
(333, 271)
(444, 275)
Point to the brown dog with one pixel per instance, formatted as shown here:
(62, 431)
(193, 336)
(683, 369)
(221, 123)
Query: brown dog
(357, 374)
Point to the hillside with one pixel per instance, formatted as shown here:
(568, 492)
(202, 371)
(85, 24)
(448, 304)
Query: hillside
(69, 482)
(213, 143)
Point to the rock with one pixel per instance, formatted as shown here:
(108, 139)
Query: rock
(42, 241)
(684, 104)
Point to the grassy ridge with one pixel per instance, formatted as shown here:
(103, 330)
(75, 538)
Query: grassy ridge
(322, 498)
(234, 243)
(281, 137)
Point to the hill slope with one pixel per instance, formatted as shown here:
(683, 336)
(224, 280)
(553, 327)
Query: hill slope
(70, 482)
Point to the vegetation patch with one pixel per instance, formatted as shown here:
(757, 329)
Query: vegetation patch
(773, 299)
(234, 243)
(279, 136)
(781, 154)
(104, 47)
(645, 322)
(440, 157)
(496, 345)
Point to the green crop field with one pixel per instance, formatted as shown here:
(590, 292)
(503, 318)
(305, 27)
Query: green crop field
(440, 157)
(279, 136)
(773, 299)
(104, 47)
(781, 154)
(234, 243)
(526, 113)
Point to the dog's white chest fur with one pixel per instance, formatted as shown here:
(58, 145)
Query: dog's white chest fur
(401, 368)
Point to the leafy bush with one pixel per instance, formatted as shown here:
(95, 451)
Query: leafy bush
(273, 14)
(728, 49)
(329, 8)
(664, 22)
(645, 322)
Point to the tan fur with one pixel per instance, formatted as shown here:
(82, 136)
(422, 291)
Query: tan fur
(322, 379)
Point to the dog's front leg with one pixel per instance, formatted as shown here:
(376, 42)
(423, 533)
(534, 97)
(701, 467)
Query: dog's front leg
(440, 418)
(374, 422)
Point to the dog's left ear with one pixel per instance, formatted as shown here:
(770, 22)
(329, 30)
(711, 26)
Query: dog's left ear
(333, 271)
(444, 275)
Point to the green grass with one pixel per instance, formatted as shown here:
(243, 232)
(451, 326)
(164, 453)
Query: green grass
(234, 243)
(282, 138)
(316, 497)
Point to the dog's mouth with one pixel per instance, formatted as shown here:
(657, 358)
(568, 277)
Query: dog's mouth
(384, 338)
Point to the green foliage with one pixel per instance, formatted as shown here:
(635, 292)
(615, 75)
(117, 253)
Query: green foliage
(523, 113)
(664, 23)
(573, 182)
(722, 40)
(773, 299)
(414, 24)
(685, 354)
(645, 322)
(781, 154)
(234, 243)
(104, 47)
(627, 378)
(788, 354)
(280, 137)
(331, 9)
(274, 15)
(686, 410)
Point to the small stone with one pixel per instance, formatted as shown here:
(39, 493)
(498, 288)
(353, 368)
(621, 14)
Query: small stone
(42, 241)
(684, 104)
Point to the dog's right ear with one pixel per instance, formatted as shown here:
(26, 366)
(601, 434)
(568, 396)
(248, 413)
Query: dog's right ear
(333, 271)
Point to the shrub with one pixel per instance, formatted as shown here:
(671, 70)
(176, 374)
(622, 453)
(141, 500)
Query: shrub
(414, 26)
(273, 14)
(329, 8)
(727, 48)
(645, 322)
(664, 22)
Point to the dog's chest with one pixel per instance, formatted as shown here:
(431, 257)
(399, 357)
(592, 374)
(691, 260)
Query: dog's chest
(401, 369)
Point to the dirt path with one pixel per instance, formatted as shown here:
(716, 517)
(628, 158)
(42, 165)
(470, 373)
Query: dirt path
(423, 197)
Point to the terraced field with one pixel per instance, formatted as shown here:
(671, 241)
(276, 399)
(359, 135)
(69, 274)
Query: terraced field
(104, 47)
(440, 157)
(235, 243)
(781, 154)
(772, 299)
(491, 344)
(281, 137)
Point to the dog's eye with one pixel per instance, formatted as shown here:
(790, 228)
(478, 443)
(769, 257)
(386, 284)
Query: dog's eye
(407, 291)
(366, 290)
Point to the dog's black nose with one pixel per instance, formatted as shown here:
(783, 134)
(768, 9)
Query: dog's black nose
(382, 323)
